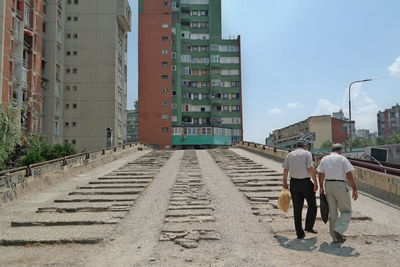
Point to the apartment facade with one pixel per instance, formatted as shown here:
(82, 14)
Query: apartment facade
(22, 37)
(132, 118)
(189, 77)
(316, 130)
(90, 68)
(389, 121)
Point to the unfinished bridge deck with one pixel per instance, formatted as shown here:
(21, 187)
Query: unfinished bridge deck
(184, 208)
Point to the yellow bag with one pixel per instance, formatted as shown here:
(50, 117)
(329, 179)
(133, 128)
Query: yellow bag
(284, 200)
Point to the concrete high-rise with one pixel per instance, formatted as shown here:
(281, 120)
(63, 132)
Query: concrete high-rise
(87, 72)
(22, 25)
(389, 121)
(189, 77)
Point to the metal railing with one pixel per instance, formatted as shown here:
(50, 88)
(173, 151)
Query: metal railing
(382, 167)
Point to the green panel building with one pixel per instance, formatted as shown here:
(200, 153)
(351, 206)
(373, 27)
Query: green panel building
(206, 71)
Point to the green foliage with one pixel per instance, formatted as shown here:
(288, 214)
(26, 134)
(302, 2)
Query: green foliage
(31, 157)
(393, 139)
(361, 143)
(327, 144)
(9, 135)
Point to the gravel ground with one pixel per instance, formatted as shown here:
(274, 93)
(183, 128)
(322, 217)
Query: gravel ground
(245, 239)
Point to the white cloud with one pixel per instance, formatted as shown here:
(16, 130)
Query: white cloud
(325, 107)
(295, 105)
(275, 111)
(363, 108)
(394, 69)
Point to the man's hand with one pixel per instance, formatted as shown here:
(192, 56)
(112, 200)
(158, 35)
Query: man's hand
(285, 185)
(355, 194)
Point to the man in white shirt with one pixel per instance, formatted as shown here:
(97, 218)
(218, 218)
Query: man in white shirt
(334, 169)
(299, 164)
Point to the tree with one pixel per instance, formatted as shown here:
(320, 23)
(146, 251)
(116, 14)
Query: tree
(326, 145)
(10, 135)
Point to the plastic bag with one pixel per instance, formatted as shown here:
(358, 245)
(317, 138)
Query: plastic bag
(284, 200)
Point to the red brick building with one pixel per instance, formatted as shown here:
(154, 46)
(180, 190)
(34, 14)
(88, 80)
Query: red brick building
(21, 84)
(155, 80)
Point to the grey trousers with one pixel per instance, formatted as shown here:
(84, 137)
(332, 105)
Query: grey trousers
(338, 197)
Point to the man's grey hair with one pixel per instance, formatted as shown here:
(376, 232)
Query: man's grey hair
(301, 144)
(337, 147)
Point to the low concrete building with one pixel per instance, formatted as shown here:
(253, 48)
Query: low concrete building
(316, 130)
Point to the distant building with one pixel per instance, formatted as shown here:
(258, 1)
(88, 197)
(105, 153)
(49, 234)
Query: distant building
(132, 124)
(340, 116)
(366, 134)
(316, 130)
(389, 121)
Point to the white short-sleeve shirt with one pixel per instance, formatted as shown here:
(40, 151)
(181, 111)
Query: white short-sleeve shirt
(335, 167)
(297, 163)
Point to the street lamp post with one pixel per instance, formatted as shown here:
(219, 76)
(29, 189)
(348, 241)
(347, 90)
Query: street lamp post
(350, 124)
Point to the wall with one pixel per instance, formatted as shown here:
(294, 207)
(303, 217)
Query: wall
(152, 15)
(378, 184)
(322, 127)
(16, 183)
(339, 133)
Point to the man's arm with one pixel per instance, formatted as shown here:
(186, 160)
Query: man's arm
(352, 183)
(285, 176)
(311, 171)
(321, 177)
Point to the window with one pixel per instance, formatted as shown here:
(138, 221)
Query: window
(73, 142)
(69, 18)
(165, 116)
(68, 70)
(68, 3)
(164, 51)
(165, 25)
(164, 77)
(75, 36)
(164, 90)
(75, 88)
(68, 36)
(166, 3)
(164, 64)
(174, 105)
(164, 103)
(173, 68)
(74, 105)
(74, 123)
(67, 88)
(164, 129)
(67, 124)
(76, 2)
(74, 70)
(173, 55)
(75, 18)
(68, 53)
(173, 92)
(174, 118)
(164, 38)
(75, 53)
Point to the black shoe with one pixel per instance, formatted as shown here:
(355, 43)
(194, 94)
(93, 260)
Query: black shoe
(311, 231)
(339, 237)
(301, 236)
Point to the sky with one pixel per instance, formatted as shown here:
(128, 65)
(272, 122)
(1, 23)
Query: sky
(299, 57)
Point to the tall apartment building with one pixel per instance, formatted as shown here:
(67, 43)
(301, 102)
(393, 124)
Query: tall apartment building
(189, 77)
(389, 121)
(22, 31)
(86, 70)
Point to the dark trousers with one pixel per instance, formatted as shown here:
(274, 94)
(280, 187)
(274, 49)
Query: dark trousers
(301, 189)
